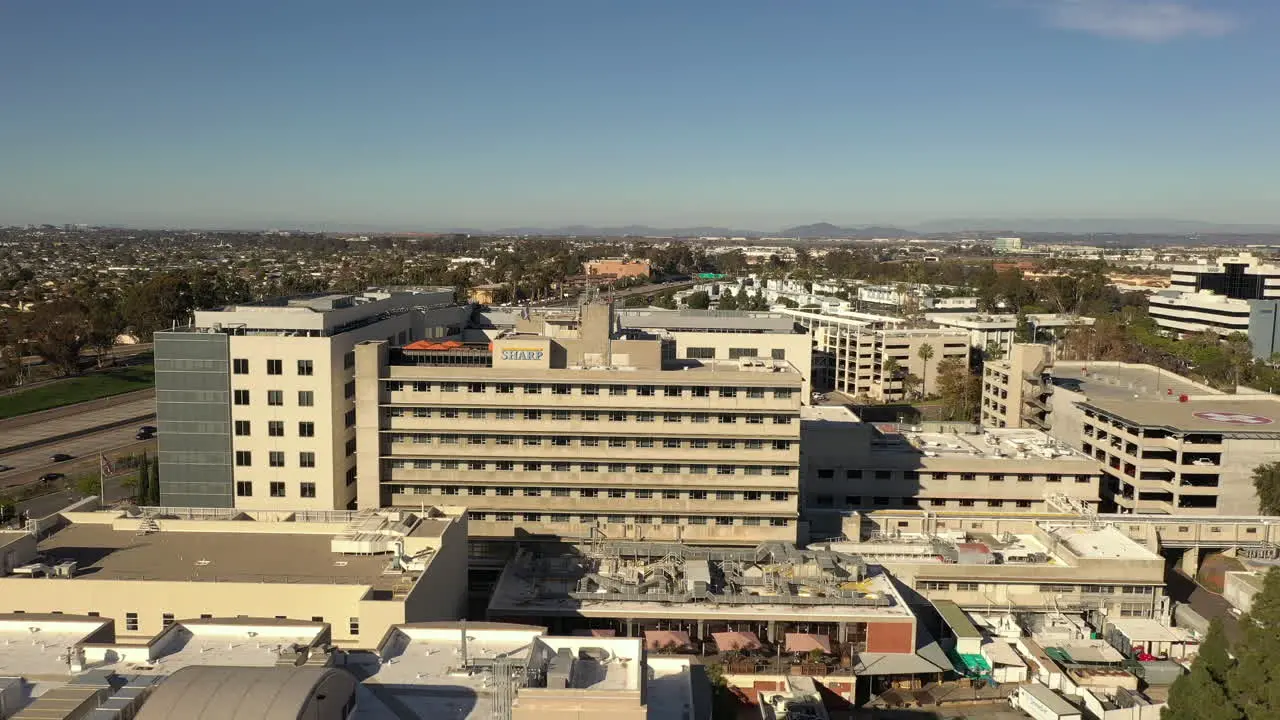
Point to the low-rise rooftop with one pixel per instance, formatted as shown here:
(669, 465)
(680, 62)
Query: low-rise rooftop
(42, 646)
(1103, 542)
(1223, 414)
(1124, 381)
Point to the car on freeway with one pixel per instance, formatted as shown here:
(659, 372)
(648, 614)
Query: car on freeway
(143, 435)
(50, 477)
(5, 468)
(148, 429)
(59, 457)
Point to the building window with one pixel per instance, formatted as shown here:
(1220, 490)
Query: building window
(533, 467)
(275, 458)
(728, 392)
(532, 389)
(166, 619)
(726, 444)
(240, 397)
(781, 419)
(724, 469)
(560, 389)
(700, 353)
(782, 445)
(353, 626)
(778, 522)
(306, 459)
(781, 394)
(242, 428)
(778, 353)
(755, 393)
(590, 389)
(244, 458)
(240, 366)
(671, 391)
(244, 488)
(1024, 504)
(275, 367)
(475, 387)
(449, 387)
(306, 429)
(275, 428)
(533, 415)
(306, 367)
(131, 621)
(275, 397)
(560, 415)
(588, 467)
(306, 398)
(505, 388)
(308, 490)
(349, 390)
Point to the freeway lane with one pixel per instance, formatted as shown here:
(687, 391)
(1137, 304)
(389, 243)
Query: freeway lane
(30, 464)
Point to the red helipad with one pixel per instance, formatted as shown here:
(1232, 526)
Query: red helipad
(1233, 418)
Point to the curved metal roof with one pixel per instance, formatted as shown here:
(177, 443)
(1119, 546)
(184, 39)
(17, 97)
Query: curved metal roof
(239, 693)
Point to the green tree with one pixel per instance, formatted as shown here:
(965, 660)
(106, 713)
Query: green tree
(1202, 693)
(153, 483)
(993, 351)
(699, 300)
(142, 488)
(88, 485)
(636, 301)
(728, 301)
(8, 509)
(1266, 482)
(1254, 682)
(959, 389)
(57, 333)
(925, 353)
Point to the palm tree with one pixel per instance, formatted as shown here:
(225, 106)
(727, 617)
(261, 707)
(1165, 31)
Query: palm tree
(925, 353)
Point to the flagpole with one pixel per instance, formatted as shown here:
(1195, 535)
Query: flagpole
(102, 480)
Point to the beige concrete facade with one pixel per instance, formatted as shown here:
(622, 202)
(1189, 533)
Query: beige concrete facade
(1016, 389)
(1173, 457)
(1033, 566)
(848, 464)
(292, 388)
(361, 573)
(572, 433)
(857, 350)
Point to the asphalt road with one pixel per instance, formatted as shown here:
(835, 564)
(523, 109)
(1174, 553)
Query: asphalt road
(49, 504)
(36, 427)
(30, 464)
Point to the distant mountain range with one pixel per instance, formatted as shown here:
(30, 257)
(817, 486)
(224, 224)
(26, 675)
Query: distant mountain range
(1081, 226)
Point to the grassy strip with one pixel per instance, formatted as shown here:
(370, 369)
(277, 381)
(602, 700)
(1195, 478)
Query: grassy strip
(79, 389)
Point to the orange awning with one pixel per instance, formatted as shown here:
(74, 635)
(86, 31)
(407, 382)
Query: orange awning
(726, 641)
(805, 642)
(664, 639)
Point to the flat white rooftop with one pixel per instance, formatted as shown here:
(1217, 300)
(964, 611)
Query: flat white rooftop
(993, 443)
(431, 671)
(240, 645)
(39, 647)
(1106, 543)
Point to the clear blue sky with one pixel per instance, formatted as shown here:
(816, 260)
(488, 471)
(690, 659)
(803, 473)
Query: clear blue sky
(422, 114)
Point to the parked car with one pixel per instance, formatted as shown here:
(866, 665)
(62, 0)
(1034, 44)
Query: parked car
(59, 457)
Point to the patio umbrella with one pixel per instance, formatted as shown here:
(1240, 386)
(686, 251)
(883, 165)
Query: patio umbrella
(726, 641)
(662, 639)
(807, 642)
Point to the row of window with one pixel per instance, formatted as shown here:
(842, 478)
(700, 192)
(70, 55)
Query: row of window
(588, 389)
(855, 501)
(275, 459)
(709, 353)
(275, 428)
(240, 366)
(586, 467)
(1047, 588)
(276, 489)
(614, 493)
(857, 474)
(584, 415)
(591, 519)
(586, 441)
(167, 619)
(306, 398)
